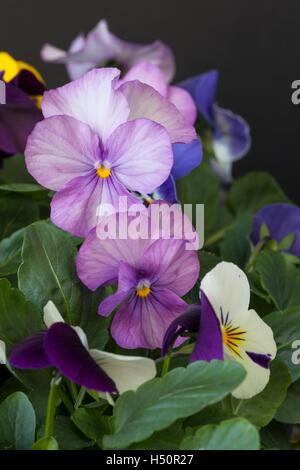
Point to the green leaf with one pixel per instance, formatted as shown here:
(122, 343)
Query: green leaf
(180, 393)
(167, 439)
(17, 422)
(212, 414)
(22, 188)
(207, 262)
(286, 329)
(254, 190)
(286, 242)
(10, 253)
(48, 272)
(46, 443)
(235, 247)
(279, 278)
(289, 411)
(233, 434)
(275, 436)
(264, 232)
(261, 409)
(15, 171)
(16, 211)
(67, 435)
(92, 423)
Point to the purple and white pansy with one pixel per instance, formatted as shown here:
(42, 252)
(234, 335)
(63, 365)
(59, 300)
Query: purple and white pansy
(231, 134)
(101, 46)
(227, 330)
(66, 348)
(98, 140)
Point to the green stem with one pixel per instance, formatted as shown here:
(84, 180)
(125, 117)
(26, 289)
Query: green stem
(65, 399)
(215, 237)
(73, 390)
(166, 364)
(235, 412)
(51, 410)
(80, 398)
(254, 255)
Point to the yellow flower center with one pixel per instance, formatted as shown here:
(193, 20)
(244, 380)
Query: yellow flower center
(103, 172)
(232, 338)
(12, 67)
(144, 291)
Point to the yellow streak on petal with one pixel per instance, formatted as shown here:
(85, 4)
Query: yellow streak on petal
(232, 338)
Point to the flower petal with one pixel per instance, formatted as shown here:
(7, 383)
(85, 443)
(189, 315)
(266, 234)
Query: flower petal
(59, 149)
(145, 102)
(141, 155)
(128, 372)
(30, 353)
(209, 343)
(2, 352)
(227, 288)
(166, 191)
(66, 351)
(51, 314)
(91, 99)
(149, 74)
(189, 321)
(183, 102)
(186, 158)
(142, 322)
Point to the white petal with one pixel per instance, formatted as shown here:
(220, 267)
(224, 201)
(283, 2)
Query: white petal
(256, 379)
(2, 352)
(226, 286)
(128, 372)
(51, 314)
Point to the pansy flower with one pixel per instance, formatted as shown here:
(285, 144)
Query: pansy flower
(98, 142)
(66, 348)
(153, 271)
(227, 329)
(101, 46)
(231, 135)
(280, 220)
(2, 352)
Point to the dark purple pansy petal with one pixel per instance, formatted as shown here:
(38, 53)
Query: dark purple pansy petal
(167, 191)
(262, 360)
(209, 343)
(66, 351)
(186, 158)
(189, 321)
(29, 83)
(281, 220)
(30, 353)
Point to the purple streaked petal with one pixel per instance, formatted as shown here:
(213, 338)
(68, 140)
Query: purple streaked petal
(66, 351)
(145, 102)
(209, 343)
(186, 158)
(149, 74)
(59, 149)
(281, 220)
(262, 360)
(183, 102)
(142, 322)
(91, 99)
(167, 191)
(140, 154)
(169, 265)
(127, 280)
(189, 321)
(30, 353)
(203, 89)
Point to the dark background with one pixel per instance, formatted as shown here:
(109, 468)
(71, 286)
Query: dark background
(253, 43)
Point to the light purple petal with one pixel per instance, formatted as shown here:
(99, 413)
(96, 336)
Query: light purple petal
(67, 353)
(188, 321)
(145, 102)
(30, 353)
(209, 343)
(186, 158)
(171, 266)
(183, 102)
(142, 322)
(127, 280)
(59, 149)
(140, 154)
(149, 74)
(91, 99)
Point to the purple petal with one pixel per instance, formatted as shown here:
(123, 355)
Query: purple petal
(189, 321)
(262, 360)
(59, 149)
(203, 89)
(145, 102)
(167, 191)
(30, 353)
(29, 83)
(140, 154)
(209, 343)
(186, 158)
(149, 74)
(183, 102)
(91, 99)
(127, 280)
(281, 220)
(63, 346)
(142, 322)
